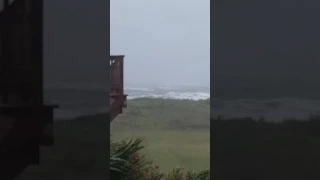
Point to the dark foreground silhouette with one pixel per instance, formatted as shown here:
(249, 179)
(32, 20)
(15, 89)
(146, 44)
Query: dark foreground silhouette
(260, 150)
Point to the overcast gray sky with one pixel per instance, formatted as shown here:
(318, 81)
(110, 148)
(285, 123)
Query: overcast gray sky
(165, 41)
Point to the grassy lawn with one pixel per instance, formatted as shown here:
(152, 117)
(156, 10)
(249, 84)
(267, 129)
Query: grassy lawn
(168, 149)
(176, 133)
(162, 114)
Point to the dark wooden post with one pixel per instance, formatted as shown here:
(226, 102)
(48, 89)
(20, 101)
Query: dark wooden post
(117, 97)
(22, 109)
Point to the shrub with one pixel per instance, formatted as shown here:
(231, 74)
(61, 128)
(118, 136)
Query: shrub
(179, 174)
(131, 164)
(128, 163)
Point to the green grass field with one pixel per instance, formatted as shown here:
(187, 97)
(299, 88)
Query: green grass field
(169, 149)
(176, 133)
(172, 114)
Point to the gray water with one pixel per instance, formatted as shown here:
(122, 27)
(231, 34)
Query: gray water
(87, 99)
(270, 109)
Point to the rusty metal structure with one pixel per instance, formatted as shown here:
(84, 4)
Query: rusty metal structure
(117, 97)
(25, 121)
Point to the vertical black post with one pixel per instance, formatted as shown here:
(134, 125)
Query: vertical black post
(36, 19)
(5, 3)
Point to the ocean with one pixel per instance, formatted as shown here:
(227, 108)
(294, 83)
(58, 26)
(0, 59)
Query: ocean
(77, 99)
(271, 109)
(192, 92)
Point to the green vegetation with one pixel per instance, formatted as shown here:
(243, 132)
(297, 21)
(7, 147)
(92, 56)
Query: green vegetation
(176, 133)
(128, 163)
(168, 149)
(243, 148)
(146, 113)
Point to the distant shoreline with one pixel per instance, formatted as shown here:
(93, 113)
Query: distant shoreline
(72, 113)
(273, 109)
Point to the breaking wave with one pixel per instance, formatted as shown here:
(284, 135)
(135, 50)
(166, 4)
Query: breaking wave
(138, 89)
(174, 95)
